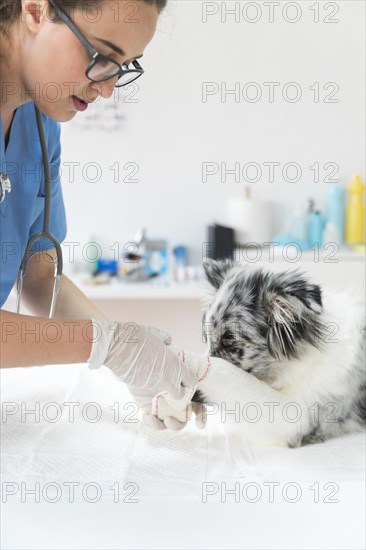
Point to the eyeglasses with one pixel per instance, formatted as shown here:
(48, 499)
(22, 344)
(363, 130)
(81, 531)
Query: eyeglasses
(101, 67)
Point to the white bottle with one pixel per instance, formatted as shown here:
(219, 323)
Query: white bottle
(331, 234)
(298, 225)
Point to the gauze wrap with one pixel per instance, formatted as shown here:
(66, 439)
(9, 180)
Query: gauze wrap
(164, 405)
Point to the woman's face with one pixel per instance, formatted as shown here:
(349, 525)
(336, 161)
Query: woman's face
(53, 60)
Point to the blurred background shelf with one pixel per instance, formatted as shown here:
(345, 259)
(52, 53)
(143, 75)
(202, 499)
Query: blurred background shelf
(141, 291)
(326, 268)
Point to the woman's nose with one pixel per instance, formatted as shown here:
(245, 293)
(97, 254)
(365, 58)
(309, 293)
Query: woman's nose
(106, 88)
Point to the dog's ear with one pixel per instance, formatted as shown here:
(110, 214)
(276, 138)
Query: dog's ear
(216, 271)
(309, 294)
(293, 318)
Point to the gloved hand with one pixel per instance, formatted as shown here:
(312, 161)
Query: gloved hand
(139, 357)
(160, 411)
(144, 399)
(171, 412)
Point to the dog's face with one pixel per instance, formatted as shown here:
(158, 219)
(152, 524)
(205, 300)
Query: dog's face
(258, 319)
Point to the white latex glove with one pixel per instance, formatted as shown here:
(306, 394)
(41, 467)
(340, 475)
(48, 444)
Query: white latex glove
(160, 411)
(144, 399)
(139, 357)
(171, 412)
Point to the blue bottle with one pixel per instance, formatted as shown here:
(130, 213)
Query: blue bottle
(335, 209)
(316, 228)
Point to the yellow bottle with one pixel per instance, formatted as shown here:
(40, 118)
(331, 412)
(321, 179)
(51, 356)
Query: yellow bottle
(355, 212)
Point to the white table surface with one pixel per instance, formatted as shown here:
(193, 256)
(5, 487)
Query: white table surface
(170, 470)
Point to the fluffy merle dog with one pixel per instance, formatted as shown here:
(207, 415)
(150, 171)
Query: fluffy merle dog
(294, 353)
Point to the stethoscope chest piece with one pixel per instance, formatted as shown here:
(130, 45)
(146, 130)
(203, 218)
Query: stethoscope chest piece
(5, 186)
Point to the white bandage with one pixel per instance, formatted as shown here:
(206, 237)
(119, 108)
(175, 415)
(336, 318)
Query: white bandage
(164, 406)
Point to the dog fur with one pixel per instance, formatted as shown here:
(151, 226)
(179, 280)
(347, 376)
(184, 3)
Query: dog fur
(288, 345)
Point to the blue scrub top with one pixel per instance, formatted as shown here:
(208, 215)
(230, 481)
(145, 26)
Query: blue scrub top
(21, 213)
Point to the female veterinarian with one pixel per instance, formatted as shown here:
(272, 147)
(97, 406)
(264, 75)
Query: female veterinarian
(47, 41)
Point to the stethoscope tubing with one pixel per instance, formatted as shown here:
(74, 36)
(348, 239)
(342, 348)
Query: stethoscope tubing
(46, 233)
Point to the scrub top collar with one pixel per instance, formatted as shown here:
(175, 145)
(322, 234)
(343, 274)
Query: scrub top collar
(5, 141)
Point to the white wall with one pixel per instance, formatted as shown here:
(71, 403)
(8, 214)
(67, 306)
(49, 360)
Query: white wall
(169, 132)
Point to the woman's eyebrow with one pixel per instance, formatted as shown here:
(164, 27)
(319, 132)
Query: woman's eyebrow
(114, 47)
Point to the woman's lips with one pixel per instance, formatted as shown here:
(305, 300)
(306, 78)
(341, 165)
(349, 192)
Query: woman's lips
(80, 104)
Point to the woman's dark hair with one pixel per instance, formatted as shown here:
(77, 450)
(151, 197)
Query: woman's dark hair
(10, 10)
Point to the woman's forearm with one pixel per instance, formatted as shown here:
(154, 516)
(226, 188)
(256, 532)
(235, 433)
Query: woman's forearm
(71, 301)
(36, 341)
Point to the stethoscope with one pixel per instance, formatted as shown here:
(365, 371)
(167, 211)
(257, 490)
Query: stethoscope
(5, 187)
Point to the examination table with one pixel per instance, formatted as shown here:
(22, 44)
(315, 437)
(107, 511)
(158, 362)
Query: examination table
(133, 487)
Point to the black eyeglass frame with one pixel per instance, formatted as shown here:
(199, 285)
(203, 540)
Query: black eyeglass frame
(96, 56)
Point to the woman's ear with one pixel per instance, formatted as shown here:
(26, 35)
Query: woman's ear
(34, 14)
(216, 271)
